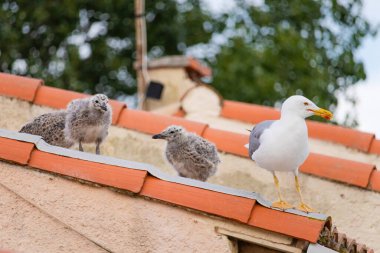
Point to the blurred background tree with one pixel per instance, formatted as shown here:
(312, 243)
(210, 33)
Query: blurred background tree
(89, 46)
(260, 51)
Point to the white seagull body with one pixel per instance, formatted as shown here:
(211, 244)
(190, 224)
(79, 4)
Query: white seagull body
(282, 145)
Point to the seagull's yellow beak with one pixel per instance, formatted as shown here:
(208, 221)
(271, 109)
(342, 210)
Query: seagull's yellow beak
(322, 113)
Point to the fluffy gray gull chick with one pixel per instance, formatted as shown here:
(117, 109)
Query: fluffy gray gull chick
(50, 126)
(282, 145)
(88, 120)
(190, 155)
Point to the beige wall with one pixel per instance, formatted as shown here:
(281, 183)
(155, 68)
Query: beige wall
(176, 83)
(355, 211)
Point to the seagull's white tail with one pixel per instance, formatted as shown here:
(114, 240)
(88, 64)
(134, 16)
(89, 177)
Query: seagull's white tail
(246, 146)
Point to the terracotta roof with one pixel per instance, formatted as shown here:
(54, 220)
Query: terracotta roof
(189, 63)
(342, 170)
(145, 180)
(348, 137)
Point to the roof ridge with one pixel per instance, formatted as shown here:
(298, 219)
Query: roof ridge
(145, 180)
(132, 119)
(33, 90)
(45, 147)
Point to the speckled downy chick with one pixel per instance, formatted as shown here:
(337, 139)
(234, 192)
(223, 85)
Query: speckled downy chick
(88, 120)
(190, 155)
(50, 126)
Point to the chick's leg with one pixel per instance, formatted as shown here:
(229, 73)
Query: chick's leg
(98, 147)
(80, 146)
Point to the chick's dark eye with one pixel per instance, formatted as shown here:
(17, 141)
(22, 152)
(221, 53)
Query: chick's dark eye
(96, 101)
(306, 103)
(172, 132)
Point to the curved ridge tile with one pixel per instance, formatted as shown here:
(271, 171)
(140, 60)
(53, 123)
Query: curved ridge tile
(248, 112)
(346, 136)
(151, 123)
(374, 183)
(346, 171)
(19, 87)
(15, 151)
(221, 204)
(285, 223)
(114, 176)
(375, 147)
(55, 97)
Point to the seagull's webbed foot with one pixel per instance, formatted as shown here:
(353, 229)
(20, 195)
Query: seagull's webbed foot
(305, 208)
(281, 204)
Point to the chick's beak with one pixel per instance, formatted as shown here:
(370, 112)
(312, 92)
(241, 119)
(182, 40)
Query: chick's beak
(158, 136)
(322, 113)
(104, 107)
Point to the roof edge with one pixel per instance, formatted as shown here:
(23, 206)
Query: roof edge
(41, 145)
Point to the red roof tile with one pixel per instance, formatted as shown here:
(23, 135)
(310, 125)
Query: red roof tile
(180, 113)
(15, 151)
(126, 179)
(152, 123)
(227, 141)
(351, 172)
(375, 147)
(248, 112)
(196, 66)
(175, 61)
(374, 182)
(55, 97)
(286, 223)
(229, 206)
(346, 136)
(20, 87)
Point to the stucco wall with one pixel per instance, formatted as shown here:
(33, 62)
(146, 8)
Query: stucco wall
(355, 211)
(176, 82)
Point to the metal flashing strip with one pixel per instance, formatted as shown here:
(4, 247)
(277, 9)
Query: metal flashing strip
(317, 248)
(43, 146)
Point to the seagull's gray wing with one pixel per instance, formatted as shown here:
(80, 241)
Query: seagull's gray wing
(257, 131)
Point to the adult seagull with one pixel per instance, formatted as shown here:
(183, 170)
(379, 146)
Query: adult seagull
(282, 145)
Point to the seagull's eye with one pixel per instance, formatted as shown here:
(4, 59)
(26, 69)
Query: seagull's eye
(306, 103)
(96, 101)
(171, 132)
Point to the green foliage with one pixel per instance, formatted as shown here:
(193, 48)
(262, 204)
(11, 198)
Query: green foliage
(272, 51)
(287, 47)
(47, 37)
